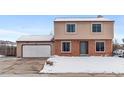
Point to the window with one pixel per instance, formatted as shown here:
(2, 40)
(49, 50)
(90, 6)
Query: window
(99, 46)
(96, 27)
(65, 46)
(70, 27)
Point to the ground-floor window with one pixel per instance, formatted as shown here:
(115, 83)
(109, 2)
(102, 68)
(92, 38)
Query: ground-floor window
(66, 46)
(100, 46)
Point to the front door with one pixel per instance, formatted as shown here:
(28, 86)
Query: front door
(83, 47)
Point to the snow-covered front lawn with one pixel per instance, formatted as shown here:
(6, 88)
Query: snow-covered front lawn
(84, 65)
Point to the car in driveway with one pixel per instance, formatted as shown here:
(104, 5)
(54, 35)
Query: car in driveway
(119, 52)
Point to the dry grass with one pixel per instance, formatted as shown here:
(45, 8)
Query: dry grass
(49, 63)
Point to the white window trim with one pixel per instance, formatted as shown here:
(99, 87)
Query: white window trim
(70, 32)
(65, 51)
(104, 47)
(97, 23)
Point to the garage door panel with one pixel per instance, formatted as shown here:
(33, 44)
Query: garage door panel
(36, 51)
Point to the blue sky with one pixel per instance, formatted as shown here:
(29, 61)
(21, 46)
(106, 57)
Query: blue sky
(12, 27)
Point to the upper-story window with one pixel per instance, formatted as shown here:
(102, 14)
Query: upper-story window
(70, 27)
(96, 27)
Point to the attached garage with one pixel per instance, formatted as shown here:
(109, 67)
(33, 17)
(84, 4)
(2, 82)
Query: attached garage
(34, 46)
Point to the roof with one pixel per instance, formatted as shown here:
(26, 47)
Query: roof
(83, 19)
(35, 38)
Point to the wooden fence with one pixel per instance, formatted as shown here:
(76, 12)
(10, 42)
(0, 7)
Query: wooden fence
(7, 50)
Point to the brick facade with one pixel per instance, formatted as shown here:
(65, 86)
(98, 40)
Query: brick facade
(75, 48)
(92, 48)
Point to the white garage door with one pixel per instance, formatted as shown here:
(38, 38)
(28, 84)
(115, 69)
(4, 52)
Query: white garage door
(36, 51)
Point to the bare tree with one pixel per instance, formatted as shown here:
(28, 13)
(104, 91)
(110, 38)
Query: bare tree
(123, 42)
(116, 44)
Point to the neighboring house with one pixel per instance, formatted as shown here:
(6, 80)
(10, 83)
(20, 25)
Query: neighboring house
(78, 36)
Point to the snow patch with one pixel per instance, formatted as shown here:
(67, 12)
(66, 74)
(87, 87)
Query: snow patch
(84, 65)
(35, 38)
(2, 56)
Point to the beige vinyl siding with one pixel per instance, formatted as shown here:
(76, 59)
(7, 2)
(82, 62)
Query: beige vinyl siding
(83, 31)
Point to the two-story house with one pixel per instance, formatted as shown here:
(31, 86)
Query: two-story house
(72, 37)
(83, 36)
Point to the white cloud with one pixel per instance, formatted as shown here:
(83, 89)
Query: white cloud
(10, 34)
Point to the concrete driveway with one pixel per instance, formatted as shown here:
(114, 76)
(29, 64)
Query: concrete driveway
(12, 65)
